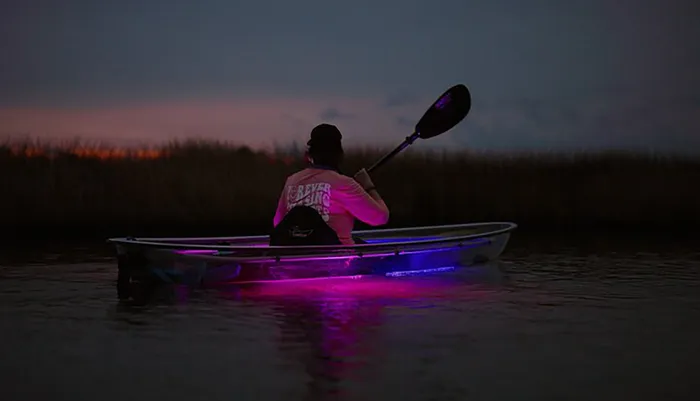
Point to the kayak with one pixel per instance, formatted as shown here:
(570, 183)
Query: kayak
(387, 252)
(390, 252)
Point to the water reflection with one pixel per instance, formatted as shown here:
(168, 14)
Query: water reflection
(334, 339)
(332, 329)
(605, 323)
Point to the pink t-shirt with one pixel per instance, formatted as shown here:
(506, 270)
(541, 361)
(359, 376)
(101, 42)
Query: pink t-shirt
(339, 199)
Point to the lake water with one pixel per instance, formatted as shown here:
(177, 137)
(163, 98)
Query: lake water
(565, 319)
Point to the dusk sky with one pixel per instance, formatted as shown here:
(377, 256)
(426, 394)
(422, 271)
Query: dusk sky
(557, 74)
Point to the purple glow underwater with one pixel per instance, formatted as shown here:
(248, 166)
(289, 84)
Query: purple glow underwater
(419, 272)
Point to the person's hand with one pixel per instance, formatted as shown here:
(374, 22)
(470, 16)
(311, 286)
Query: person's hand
(362, 177)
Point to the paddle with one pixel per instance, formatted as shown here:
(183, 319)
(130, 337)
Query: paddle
(446, 112)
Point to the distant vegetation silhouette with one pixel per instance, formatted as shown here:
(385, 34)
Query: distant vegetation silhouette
(213, 188)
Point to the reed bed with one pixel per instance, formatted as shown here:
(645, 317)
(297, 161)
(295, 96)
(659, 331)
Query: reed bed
(211, 187)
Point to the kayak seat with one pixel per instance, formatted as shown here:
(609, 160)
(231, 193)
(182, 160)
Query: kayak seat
(303, 226)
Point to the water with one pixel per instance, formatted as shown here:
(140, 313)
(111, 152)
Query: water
(553, 320)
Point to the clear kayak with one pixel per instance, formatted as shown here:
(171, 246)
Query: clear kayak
(387, 252)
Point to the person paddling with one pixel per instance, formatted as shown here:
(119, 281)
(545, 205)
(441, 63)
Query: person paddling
(334, 197)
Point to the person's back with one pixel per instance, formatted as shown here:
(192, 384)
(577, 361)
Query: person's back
(337, 198)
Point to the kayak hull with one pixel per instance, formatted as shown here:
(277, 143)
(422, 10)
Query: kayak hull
(387, 252)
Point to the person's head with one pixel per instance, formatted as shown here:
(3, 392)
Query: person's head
(325, 146)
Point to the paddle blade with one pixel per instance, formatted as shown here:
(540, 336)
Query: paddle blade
(447, 111)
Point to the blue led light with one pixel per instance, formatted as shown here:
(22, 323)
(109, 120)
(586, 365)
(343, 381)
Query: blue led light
(419, 272)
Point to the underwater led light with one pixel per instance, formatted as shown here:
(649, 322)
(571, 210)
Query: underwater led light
(304, 279)
(419, 271)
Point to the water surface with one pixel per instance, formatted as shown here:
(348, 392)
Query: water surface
(600, 319)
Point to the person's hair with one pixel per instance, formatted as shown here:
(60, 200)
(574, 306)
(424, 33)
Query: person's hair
(325, 146)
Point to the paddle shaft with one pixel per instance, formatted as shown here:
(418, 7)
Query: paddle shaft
(446, 112)
(409, 140)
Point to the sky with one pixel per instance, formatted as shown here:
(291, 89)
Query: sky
(544, 74)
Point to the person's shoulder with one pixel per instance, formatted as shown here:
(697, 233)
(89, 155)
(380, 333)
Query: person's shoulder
(338, 176)
(298, 175)
(335, 178)
(344, 182)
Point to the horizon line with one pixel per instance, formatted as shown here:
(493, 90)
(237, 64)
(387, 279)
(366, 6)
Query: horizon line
(102, 148)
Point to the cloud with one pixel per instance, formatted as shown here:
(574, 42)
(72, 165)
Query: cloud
(621, 119)
(254, 121)
(399, 100)
(405, 122)
(333, 114)
(635, 121)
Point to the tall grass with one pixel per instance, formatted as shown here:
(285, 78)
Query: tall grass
(235, 189)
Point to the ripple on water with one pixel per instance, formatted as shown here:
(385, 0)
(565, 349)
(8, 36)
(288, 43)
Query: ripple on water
(560, 324)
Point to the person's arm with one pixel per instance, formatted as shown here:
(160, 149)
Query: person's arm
(281, 207)
(367, 207)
